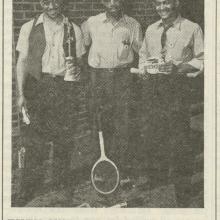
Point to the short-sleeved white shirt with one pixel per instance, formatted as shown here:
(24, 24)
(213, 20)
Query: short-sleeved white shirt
(53, 59)
(108, 41)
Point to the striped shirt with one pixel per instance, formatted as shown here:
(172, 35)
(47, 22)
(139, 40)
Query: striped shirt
(112, 45)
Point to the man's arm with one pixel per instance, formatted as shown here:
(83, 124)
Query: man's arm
(137, 38)
(197, 63)
(21, 78)
(22, 48)
(86, 34)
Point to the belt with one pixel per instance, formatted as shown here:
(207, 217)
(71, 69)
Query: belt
(111, 70)
(50, 75)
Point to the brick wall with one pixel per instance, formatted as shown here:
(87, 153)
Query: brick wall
(80, 10)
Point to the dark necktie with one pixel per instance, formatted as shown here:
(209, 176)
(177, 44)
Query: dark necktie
(163, 53)
(164, 35)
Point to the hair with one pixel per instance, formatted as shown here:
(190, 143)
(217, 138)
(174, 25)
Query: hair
(176, 1)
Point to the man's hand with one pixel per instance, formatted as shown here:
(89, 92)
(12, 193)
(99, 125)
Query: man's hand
(140, 72)
(22, 103)
(168, 68)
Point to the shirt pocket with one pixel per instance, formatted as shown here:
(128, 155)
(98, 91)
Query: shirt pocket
(175, 44)
(123, 51)
(180, 47)
(124, 46)
(173, 39)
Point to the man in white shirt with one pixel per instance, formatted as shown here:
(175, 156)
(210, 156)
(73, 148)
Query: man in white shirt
(112, 38)
(178, 45)
(50, 101)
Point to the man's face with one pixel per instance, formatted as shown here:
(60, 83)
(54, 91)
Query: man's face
(52, 8)
(166, 8)
(113, 7)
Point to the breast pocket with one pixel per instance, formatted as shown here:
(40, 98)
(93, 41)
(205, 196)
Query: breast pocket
(174, 45)
(172, 40)
(123, 51)
(124, 45)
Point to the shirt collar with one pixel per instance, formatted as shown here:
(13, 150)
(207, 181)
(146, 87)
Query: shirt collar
(176, 23)
(40, 19)
(104, 18)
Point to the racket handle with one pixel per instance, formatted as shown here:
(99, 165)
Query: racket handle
(101, 142)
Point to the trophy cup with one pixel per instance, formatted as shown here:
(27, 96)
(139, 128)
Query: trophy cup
(72, 70)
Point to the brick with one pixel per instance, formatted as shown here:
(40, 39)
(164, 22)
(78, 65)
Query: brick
(18, 15)
(23, 7)
(81, 6)
(30, 15)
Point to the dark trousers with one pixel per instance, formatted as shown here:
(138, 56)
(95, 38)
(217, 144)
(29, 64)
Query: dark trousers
(52, 105)
(166, 127)
(110, 90)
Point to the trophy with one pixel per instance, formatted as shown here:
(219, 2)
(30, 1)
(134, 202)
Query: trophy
(72, 70)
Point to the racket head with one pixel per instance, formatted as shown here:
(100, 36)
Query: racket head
(105, 176)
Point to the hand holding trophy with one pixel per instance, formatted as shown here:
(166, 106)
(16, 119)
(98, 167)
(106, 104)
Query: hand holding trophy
(72, 70)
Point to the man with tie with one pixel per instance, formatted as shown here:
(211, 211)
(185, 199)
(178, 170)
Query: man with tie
(112, 38)
(175, 45)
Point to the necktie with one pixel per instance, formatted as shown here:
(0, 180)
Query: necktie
(163, 54)
(164, 35)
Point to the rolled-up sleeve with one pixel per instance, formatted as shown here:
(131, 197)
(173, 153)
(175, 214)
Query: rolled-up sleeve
(143, 52)
(23, 39)
(198, 49)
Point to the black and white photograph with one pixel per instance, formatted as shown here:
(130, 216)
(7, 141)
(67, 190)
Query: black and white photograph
(107, 104)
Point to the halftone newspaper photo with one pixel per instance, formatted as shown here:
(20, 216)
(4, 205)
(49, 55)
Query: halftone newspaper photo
(107, 106)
